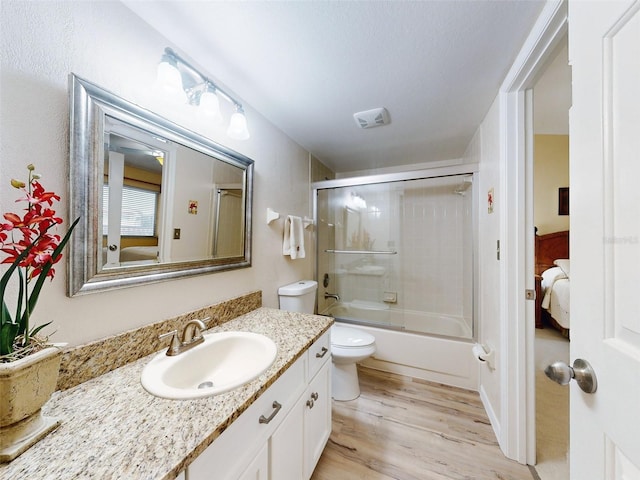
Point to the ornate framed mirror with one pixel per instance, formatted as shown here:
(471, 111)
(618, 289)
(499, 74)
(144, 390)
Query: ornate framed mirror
(156, 200)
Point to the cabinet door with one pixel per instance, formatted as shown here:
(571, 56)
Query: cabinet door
(259, 467)
(317, 418)
(286, 445)
(319, 353)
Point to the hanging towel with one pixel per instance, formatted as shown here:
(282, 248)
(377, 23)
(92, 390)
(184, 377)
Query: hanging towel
(293, 238)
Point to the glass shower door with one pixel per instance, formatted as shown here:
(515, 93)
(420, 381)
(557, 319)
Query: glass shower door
(398, 254)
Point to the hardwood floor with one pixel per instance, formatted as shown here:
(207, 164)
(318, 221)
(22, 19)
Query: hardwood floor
(552, 408)
(408, 429)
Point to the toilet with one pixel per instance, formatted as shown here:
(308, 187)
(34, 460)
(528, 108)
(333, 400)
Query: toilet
(348, 345)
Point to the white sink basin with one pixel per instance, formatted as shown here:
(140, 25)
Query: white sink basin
(224, 361)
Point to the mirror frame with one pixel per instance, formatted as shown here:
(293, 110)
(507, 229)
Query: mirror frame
(89, 106)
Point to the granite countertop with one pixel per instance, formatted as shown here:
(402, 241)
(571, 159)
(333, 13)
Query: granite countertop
(112, 428)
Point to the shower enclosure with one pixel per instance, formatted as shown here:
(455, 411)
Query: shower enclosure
(397, 252)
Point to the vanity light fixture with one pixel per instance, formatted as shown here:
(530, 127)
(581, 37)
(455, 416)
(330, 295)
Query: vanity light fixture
(179, 81)
(169, 80)
(238, 125)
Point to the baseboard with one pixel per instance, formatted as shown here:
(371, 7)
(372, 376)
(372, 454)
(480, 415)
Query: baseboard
(495, 423)
(428, 375)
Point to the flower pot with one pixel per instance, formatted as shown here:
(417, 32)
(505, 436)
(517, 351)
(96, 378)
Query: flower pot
(26, 385)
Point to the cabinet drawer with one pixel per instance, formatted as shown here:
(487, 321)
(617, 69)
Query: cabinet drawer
(230, 453)
(319, 353)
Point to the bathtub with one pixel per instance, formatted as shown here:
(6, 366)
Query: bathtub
(443, 354)
(380, 314)
(437, 324)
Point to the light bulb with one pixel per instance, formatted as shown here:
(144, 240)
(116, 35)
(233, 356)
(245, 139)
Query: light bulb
(238, 126)
(209, 107)
(169, 81)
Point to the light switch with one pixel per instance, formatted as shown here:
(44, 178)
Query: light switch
(176, 234)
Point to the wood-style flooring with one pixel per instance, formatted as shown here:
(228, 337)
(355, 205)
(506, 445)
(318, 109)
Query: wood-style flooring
(408, 429)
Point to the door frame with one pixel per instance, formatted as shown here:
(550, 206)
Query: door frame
(518, 429)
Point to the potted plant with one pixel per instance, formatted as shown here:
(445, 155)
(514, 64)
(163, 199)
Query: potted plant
(28, 363)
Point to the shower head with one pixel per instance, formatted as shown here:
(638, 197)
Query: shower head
(464, 186)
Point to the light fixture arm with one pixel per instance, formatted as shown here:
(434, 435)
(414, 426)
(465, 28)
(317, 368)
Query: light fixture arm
(204, 80)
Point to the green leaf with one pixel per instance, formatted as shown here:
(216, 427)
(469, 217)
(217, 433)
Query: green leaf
(35, 291)
(5, 317)
(8, 333)
(20, 296)
(7, 275)
(37, 329)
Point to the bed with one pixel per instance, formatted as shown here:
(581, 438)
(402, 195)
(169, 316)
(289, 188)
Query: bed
(139, 254)
(553, 273)
(133, 254)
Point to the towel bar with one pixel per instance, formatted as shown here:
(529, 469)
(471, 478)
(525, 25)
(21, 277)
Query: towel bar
(379, 252)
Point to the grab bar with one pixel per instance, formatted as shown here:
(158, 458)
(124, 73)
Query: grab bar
(379, 252)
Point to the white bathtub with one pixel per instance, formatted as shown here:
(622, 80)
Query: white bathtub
(441, 354)
(380, 314)
(437, 324)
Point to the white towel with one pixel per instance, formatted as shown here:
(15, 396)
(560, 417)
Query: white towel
(293, 238)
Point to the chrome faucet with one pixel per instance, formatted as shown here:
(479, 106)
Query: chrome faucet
(191, 336)
(332, 295)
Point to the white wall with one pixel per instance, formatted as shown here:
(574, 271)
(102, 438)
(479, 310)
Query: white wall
(103, 42)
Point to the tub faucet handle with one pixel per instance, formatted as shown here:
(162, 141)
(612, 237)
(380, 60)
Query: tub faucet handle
(335, 296)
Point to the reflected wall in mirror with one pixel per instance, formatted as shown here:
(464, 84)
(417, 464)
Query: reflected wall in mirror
(157, 201)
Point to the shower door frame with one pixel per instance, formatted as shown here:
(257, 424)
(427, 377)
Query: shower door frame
(436, 172)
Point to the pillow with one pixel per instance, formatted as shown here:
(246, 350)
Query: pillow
(564, 264)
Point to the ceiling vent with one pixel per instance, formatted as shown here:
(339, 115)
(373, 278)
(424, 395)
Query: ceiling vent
(372, 118)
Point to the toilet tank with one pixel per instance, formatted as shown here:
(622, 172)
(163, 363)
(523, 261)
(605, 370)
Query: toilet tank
(298, 296)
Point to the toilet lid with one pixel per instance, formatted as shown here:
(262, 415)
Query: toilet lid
(350, 337)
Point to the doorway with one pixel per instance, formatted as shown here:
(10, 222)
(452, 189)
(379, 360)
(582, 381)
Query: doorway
(551, 103)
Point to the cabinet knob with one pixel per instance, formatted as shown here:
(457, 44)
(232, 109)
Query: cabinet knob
(314, 396)
(310, 403)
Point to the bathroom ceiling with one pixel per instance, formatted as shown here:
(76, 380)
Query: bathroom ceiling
(308, 66)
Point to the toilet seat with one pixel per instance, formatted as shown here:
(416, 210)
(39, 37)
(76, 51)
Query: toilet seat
(346, 337)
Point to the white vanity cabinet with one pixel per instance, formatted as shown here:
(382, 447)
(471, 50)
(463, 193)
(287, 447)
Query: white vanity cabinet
(317, 418)
(297, 444)
(282, 434)
(258, 469)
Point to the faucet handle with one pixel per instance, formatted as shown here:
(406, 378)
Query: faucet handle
(174, 347)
